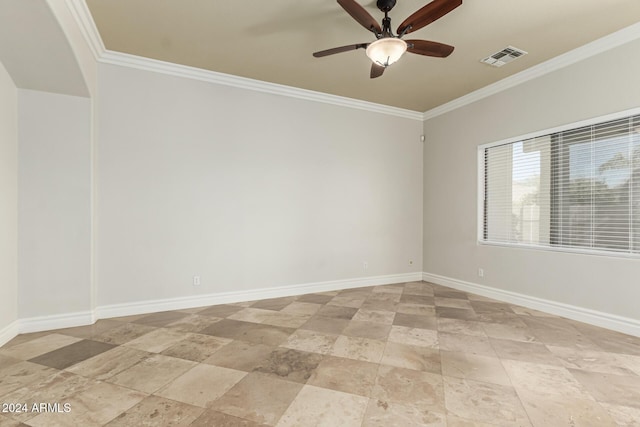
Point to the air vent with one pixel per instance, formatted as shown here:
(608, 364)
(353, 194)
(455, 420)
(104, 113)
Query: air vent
(505, 56)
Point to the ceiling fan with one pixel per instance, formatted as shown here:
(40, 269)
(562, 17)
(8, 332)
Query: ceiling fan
(388, 48)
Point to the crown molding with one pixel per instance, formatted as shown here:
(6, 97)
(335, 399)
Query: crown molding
(81, 14)
(169, 68)
(84, 20)
(603, 44)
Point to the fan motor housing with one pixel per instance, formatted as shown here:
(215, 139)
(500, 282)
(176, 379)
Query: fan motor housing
(386, 5)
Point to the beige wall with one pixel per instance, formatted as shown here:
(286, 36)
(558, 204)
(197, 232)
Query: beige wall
(54, 224)
(600, 85)
(8, 200)
(246, 189)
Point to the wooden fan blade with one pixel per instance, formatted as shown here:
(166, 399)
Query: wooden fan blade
(359, 13)
(340, 49)
(426, 15)
(376, 70)
(428, 48)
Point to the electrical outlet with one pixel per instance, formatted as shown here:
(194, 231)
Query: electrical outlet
(410, 262)
(365, 265)
(196, 280)
(480, 272)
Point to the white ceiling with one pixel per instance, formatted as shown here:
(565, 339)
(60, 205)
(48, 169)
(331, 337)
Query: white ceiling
(273, 41)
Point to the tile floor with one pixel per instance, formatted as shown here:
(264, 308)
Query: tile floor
(411, 354)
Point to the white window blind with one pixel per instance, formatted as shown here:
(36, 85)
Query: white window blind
(579, 188)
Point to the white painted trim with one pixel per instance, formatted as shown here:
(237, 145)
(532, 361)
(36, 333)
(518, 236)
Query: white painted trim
(152, 306)
(56, 321)
(81, 14)
(603, 44)
(45, 323)
(625, 325)
(84, 20)
(9, 332)
(169, 68)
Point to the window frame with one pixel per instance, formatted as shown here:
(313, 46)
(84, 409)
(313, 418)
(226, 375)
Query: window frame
(481, 187)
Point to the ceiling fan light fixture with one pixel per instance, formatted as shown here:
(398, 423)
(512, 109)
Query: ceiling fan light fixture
(386, 51)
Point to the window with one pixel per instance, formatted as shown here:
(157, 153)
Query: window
(576, 188)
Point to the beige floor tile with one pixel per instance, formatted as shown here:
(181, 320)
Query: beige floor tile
(345, 301)
(124, 333)
(542, 379)
(193, 323)
(484, 403)
(196, 347)
(374, 331)
(291, 365)
(454, 421)
(327, 325)
(201, 385)
(392, 289)
(248, 331)
(623, 390)
(624, 416)
(337, 312)
(587, 360)
(89, 331)
(304, 308)
(466, 344)
(452, 302)
(414, 336)
(161, 319)
(358, 348)
(412, 357)
(6, 361)
(384, 414)
(346, 375)
(463, 327)
(269, 317)
(212, 418)
(152, 373)
(88, 408)
(157, 411)
(274, 304)
(422, 390)
(258, 397)
(510, 332)
(474, 367)
(38, 346)
(56, 387)
(220, 311)
(418, 288)
(416, 321)
(524, 351)
(21, 374)
(547, 410)
(315, 406)
(8, 422)
(456, 313)
(422, 310)
(156, 341)
(630, 362)
(406, 354)
(374, 316)
(240, 355)
(107, 364)
(311, 341)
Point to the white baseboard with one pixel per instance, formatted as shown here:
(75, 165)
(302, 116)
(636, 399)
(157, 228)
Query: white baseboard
(152, 306)
(598, 318)
(45, 323)
(56, 321)
(9, 332)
